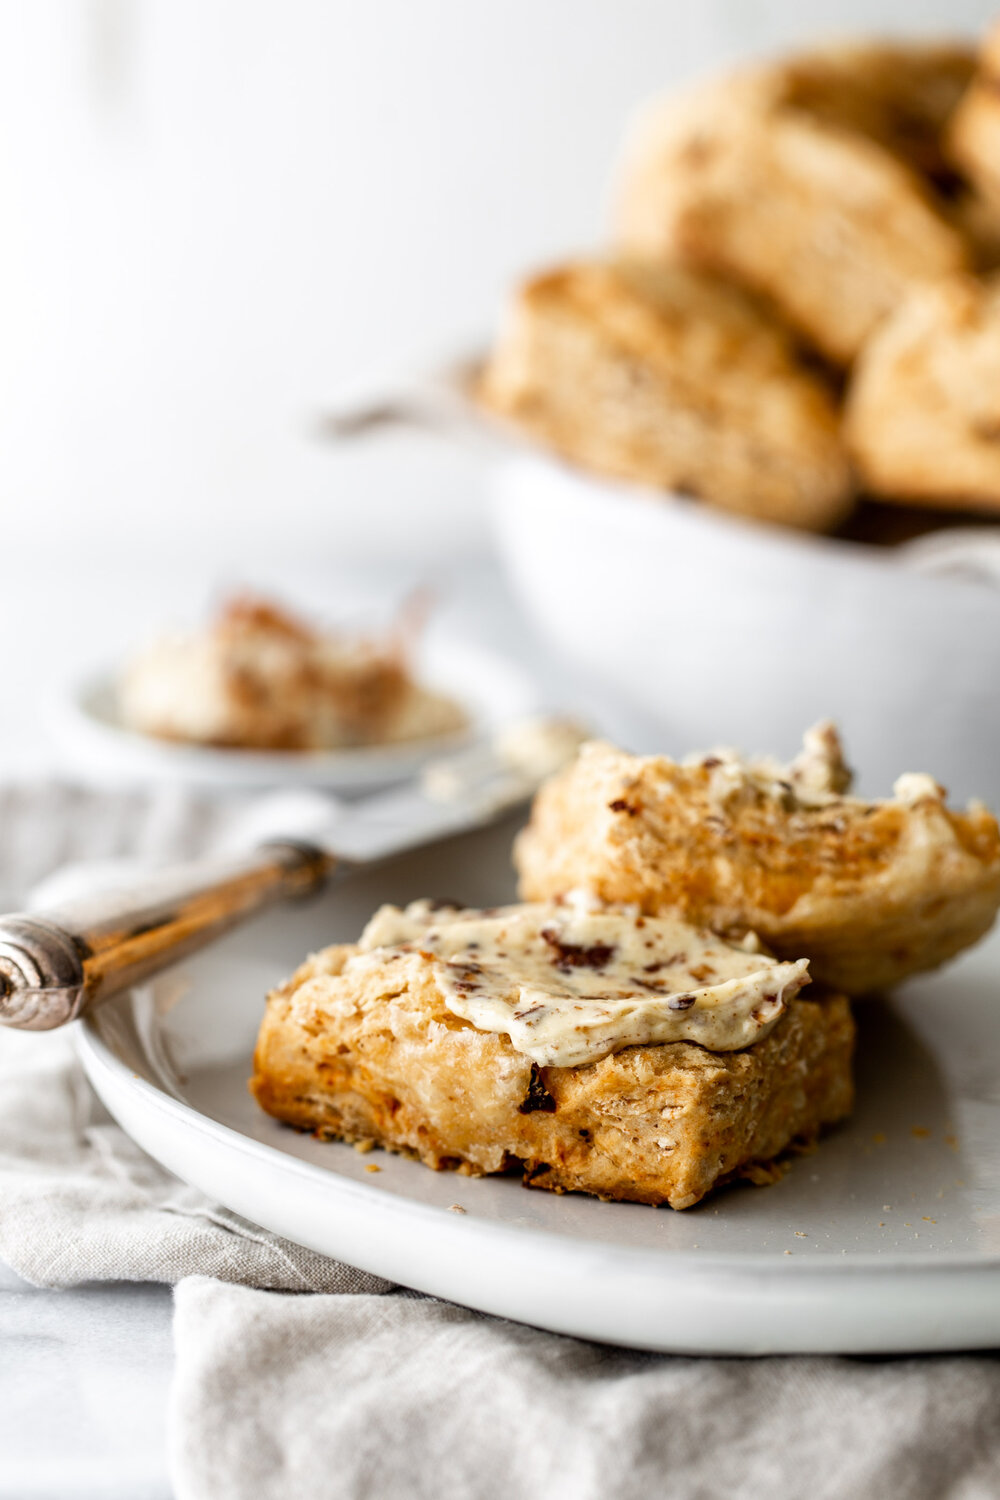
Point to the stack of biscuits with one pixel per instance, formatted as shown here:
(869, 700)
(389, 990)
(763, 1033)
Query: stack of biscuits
(799, 307)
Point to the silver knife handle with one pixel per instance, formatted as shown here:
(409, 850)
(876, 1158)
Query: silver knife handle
(57, 965)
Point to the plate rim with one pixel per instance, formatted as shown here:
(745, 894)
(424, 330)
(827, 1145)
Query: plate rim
(98, 1056)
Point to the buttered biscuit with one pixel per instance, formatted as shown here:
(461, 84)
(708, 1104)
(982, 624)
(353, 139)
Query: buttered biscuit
(592, 1051)
(257, 678)
(869, 892)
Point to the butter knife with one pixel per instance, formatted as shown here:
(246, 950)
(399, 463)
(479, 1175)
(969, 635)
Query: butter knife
(57, 965)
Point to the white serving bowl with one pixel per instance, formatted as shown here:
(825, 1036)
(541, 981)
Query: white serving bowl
(730, 632)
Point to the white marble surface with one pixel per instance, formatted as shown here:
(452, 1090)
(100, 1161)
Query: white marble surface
(83, 1387)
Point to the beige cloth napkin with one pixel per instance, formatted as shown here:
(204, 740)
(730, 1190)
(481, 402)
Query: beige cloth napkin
(344, 1393)
(392, 1398)
(78, 1201)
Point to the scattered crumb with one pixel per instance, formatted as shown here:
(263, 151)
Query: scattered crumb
(887, 1208)
(906, 1225)
(788, 1252)
(881, 1223)
(456, 1208)
(800, 1234)
(761, 1173)
(363, 1146)
(879, 1138)
(373, 1167)
(919, 1132)
(928, 1220)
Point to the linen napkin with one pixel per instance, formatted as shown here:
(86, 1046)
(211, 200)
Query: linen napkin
(78, 1200)
(393, 1398)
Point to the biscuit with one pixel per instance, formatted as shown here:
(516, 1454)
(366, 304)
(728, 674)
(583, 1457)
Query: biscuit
(977, 218)
(903, 96)
(797, 186)
(900, 94)
(869, 892)
(666, 377)
(371, 1053)
(923, 406)
(259, 679)
(974, 132)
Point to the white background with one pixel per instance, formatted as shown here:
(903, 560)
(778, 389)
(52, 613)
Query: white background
(218, 214)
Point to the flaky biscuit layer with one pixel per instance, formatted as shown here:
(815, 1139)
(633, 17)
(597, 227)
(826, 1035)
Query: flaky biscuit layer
(868, 892)
(672, 379)
(383, 1060)
(793, 179)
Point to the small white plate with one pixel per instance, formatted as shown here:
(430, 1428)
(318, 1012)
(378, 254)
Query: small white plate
(886, 1239)
(492, 690)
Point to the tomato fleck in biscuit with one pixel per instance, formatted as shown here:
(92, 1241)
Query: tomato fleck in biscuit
(923, 409)
(671, 379)
(869, 892)
(374, 1043)
(794, 180)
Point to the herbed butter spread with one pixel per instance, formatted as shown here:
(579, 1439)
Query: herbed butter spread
(818, 777)
(569, 982)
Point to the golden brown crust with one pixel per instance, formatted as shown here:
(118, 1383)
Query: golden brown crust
(384, 1060)
(869, 893)
(796, 180)
(904, 97)
(974, 134)
(669, 378)
(923, 408)
(901, 94)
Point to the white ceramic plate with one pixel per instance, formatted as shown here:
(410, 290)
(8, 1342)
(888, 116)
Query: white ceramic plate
(886, 1239)
(85, 722)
